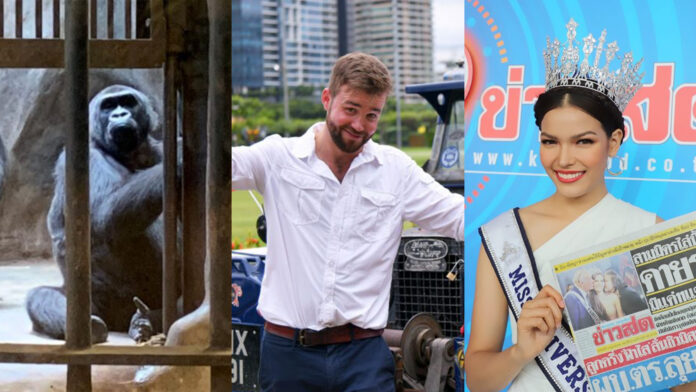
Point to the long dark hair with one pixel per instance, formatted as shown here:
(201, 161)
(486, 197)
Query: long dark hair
(590, 101)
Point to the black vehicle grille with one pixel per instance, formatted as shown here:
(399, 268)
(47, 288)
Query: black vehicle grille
(414, 292)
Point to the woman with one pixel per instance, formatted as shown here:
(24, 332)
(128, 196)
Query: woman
(610, 295)
(596, 297)
(581, 128)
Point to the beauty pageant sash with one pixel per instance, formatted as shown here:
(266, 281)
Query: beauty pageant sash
(506, 245)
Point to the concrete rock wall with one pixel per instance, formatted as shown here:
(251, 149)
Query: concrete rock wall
(32, 129)
(2, 163)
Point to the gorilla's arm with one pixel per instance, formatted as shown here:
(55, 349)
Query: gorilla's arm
(2, 163)
(131, 207)
(55, 219)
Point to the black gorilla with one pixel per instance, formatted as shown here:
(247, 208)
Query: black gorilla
(2, 163)
(126, 185)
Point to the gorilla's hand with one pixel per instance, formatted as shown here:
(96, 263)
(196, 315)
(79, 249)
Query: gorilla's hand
(140, 328)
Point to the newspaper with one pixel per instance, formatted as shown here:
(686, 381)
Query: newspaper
(635, 328)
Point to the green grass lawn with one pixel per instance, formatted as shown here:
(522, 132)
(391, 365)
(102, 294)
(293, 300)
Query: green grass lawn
(245, 212)
(244, 215)
(419, 154)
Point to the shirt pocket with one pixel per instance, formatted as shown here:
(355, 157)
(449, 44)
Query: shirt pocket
(302, 196)
(376, 215)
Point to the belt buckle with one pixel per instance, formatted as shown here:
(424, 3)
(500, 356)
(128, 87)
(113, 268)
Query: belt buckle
(301, 337)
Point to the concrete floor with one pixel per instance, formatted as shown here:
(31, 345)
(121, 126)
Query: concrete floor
(16, 279)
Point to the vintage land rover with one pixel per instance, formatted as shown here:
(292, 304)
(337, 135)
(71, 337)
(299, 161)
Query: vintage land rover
(426, 305)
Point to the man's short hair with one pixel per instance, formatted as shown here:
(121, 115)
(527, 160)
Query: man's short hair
(360, 71)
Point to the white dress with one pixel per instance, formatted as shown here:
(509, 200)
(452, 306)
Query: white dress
(608, 219)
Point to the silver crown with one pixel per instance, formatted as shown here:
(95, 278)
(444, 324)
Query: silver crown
(563, 68)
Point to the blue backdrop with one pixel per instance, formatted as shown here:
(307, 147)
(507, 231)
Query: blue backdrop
(505, 71)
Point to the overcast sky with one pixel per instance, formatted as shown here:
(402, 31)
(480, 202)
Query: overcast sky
(448, 31)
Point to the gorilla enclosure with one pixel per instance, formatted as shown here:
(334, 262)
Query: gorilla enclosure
(54, 56)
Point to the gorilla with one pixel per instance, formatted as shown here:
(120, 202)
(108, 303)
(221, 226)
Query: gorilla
(126, 183)
(2, 163)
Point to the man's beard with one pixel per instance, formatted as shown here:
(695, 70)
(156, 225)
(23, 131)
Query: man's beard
(336, 135)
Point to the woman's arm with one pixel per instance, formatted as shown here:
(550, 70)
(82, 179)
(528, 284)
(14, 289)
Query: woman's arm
(617, 305)
(487, 367)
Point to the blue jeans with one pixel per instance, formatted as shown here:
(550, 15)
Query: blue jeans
(364, 365)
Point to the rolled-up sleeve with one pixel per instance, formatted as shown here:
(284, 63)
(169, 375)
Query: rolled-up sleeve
(431, 205)
(249, 167)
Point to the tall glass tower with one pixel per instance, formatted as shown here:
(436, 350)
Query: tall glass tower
(247, 45)
(306, 33)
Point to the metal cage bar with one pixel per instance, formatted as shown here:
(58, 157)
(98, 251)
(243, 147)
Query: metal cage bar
(77, 220)
(18, 18)
(38, 18)
(128, 23)
(415, 291)
(56, 18)
(142, 14)
(113, 355)
(218, 194)
(171, 279)
(93, 19)
(193, 189)
(146, 51)
(110, 19)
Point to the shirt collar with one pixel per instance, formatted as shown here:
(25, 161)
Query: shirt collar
(304, 146)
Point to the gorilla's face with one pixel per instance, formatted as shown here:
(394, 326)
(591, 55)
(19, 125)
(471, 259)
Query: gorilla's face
(119, 117)
(121, 120)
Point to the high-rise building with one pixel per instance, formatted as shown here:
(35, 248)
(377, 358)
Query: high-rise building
(371, 29)
(306, 33)
(247, 45)
(302, 38)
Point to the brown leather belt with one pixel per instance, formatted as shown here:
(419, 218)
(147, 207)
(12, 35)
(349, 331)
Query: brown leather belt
(333, 335)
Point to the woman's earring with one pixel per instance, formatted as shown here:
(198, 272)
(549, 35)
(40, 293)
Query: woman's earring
(618, 173)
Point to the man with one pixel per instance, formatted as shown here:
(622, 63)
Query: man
(335, 202)
(576, 301)
(630, 299)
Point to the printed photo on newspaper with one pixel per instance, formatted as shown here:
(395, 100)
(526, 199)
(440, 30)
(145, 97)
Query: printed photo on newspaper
(631, 305)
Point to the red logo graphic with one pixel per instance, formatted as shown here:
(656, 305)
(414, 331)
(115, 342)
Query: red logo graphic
(236, 293)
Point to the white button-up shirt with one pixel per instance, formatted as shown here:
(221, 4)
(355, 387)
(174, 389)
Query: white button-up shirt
(331, 244)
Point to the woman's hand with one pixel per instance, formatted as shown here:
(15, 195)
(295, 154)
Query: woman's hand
(539, 319)
(488, 366)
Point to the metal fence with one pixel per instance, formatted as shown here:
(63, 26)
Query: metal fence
(416, 289)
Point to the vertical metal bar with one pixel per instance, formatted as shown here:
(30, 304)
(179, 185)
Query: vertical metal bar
(18, 18)
(129, 19)
(56, 18)
(2, 18)
(170, 277)
(110, 19)
(38, 13)
(142, 14)
(93, 19)
(218, 178)
(194, 85)
(76, 209)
